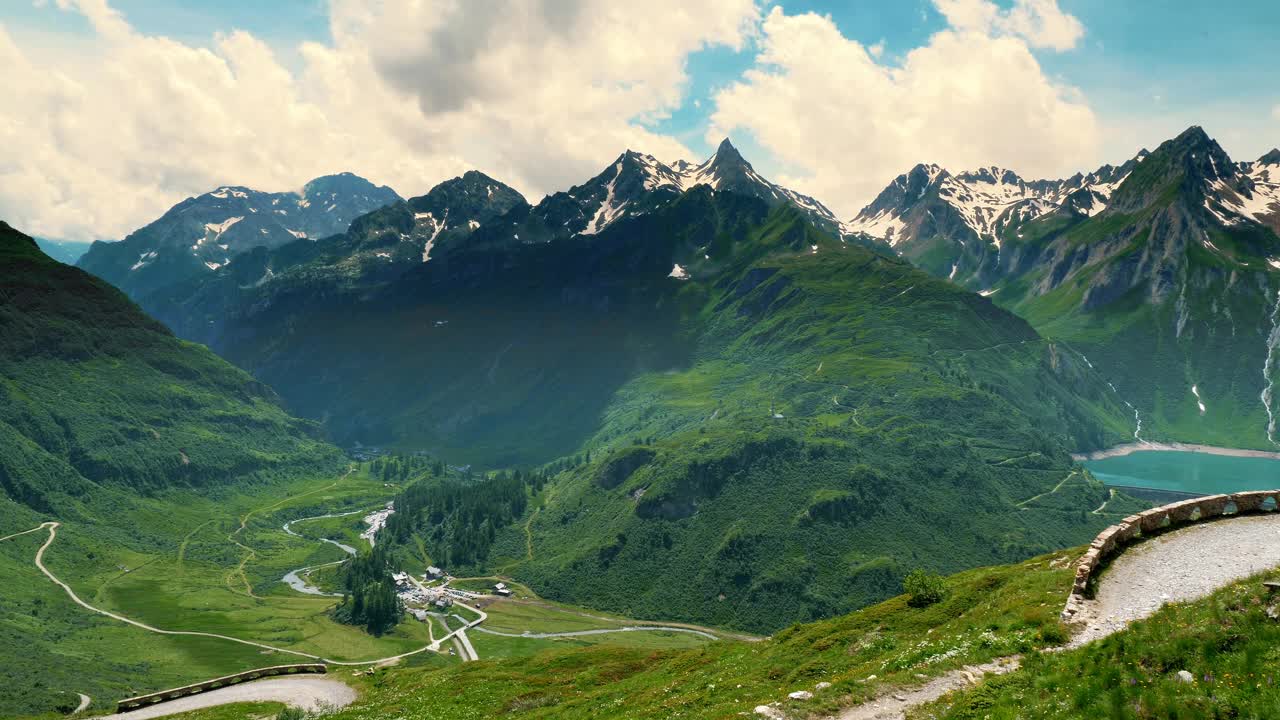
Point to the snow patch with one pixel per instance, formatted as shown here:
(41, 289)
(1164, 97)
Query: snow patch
(436, 228)
(1231, 207)
(607, 212)
(678, 272)
(218, 228)
(885, 225)
(143, 260)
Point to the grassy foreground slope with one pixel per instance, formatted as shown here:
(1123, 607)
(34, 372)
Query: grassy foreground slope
(1227, 642)
(987, 613)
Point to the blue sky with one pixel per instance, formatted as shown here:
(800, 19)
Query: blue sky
(197, 94)
(1138, 57)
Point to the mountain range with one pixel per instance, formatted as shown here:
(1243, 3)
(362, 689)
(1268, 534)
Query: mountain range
(201, 234)
(705, 359)
(1162, 270)
(676, 337)
(952, 224)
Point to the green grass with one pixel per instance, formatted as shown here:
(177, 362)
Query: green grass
(901, 397)
(129, 562)
(988, 613)
(1227, 642)
(181, 573)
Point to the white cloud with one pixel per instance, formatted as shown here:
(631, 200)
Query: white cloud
(974, 95)
(1040, 22)
(538, 93)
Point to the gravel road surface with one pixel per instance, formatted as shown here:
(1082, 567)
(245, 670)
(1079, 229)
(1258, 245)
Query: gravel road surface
(308, 693)
(1182, 565)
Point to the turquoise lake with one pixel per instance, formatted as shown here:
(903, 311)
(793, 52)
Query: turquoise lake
(1188, 472)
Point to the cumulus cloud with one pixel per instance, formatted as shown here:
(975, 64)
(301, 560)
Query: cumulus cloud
(845, 123)
(1040, 22)
(539, 93)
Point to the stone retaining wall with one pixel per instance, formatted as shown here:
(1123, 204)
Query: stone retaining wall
(1112, 540)
(134, 703)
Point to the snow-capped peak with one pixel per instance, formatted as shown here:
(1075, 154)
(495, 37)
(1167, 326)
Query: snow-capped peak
(627, 187)
(986, 199)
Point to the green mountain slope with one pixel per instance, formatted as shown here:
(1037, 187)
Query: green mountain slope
(836, 406)
(137, 442)
(786, 427)
(811, 412)
(1170, 292)
(94, 393)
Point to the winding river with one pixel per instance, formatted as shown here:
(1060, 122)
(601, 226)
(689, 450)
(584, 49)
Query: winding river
(298, 579)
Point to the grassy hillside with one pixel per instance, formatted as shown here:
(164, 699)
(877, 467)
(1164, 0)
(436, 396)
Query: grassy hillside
(843, 420)
(1227, 643)
(94, 393)
(778, 438)
(144, 447)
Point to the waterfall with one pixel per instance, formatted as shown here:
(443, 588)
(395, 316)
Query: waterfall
(1273, 340)
(1137, 419)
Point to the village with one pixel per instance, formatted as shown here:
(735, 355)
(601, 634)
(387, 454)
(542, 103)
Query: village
(433, 594)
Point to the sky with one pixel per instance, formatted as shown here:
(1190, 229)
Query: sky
(117, 109)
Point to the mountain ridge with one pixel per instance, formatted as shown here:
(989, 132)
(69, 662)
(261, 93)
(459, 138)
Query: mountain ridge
(204, 233)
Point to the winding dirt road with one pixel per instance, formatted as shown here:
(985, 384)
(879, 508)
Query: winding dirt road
(52, 527)
(597, 631)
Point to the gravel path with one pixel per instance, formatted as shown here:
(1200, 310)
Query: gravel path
(308, 693)
(895, 705)
(1182, 565)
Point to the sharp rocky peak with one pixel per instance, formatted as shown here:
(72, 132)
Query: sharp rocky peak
(727, 153)
(1200, 154)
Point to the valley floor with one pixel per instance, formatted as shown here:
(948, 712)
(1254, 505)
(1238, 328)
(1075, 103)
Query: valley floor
(942, 657)
(219, 583)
